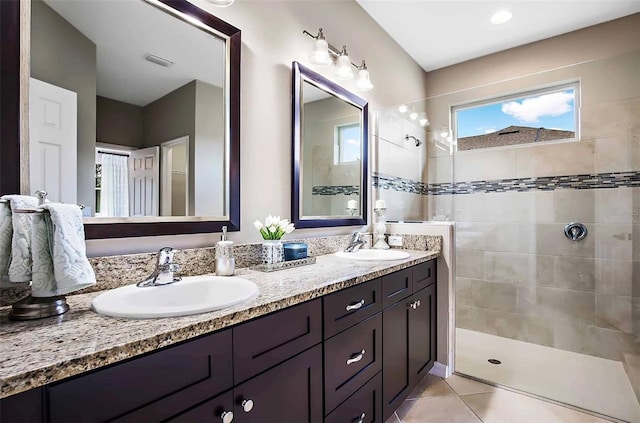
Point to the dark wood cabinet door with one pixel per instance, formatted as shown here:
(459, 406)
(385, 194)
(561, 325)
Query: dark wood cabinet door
(264, 342)
(213, 410)
(395, 356)
(422, 333)
(149, 388)
(25, 407)
(396, 286)
(288, 393)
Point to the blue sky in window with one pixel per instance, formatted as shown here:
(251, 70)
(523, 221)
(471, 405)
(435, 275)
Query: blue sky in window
(551, 111)
(350, 136)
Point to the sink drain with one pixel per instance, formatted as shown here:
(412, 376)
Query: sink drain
(494, 361)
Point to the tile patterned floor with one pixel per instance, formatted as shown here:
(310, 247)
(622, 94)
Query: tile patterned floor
(462, 400)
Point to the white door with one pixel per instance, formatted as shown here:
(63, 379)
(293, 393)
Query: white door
(53, 141)
(144, 182)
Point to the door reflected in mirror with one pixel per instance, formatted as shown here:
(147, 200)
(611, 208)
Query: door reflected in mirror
(128, 110)
(330, 142)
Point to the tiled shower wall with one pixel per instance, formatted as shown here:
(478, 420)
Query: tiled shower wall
(518, 276)
(399, 165)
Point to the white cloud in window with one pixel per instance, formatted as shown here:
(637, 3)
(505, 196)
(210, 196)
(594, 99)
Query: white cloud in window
(531, 109)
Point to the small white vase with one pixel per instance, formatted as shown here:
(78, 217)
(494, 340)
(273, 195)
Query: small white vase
(272, 251)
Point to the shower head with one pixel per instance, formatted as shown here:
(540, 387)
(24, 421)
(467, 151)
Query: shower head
(411, 137)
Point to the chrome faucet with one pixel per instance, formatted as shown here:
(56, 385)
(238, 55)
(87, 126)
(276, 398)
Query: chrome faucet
(355, 243)
(165, 271)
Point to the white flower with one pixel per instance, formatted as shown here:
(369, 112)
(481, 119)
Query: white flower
(258, 224)
(271, 220)
(289, 228)
(283, 224)
(273, 229)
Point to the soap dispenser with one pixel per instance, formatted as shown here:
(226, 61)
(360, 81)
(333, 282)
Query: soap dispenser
(225, 261)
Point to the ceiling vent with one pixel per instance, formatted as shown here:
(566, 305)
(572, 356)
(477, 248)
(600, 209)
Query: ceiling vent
(158, 60)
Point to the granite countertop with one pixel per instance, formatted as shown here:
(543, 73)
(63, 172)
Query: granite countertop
(39, 352)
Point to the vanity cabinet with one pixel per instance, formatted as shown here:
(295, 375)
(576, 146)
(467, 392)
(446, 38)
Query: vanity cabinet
(409, 342)
(350, 356)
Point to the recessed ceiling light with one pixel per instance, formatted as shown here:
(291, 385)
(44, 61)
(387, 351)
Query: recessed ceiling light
(501, 16)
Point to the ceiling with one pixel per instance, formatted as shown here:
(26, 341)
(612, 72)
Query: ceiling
(126, 31)
(440, 33)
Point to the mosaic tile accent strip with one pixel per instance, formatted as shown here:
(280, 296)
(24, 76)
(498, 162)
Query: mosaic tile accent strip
(545, 183)
(396, 183)
(335, 190)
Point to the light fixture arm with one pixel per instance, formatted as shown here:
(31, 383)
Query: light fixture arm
(333, 51)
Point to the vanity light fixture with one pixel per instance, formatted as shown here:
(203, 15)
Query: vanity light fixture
(325, 54)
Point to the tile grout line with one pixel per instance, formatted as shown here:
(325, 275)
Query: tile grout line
(463, 401)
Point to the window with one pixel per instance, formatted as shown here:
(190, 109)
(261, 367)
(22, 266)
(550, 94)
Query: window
(548, 114)
(347, 143)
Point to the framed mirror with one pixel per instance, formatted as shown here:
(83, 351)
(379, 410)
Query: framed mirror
(330, 152)
(133, 112)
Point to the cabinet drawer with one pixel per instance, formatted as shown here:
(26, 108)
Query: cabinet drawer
(396, 286)
(424, 274)
(267, 341)
(345, 308)
(351, 358)
(367, 402)
(210, 411)
(156, 386)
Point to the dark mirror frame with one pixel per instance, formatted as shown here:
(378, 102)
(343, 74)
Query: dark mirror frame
(10, 129)
(300, 74)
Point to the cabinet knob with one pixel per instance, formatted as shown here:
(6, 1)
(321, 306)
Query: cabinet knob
(355, 306)
(226, 417)
(356, 357)
(359, 419)
(247, 405)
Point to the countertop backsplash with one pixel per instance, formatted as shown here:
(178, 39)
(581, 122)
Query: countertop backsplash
(115, 271)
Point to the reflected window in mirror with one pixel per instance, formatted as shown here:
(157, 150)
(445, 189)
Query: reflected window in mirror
(134, 113)
(330, 134)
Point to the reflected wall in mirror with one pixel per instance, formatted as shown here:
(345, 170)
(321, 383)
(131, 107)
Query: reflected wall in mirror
(330, 143)
(134, 113)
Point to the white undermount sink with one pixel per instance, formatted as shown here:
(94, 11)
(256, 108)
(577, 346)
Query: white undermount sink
(372, 255)
(192, 295)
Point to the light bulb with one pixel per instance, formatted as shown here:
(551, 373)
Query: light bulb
(403, 108)
(364, 80)
(320, 54)
(343, 67)
(413, 116)
(424, 122)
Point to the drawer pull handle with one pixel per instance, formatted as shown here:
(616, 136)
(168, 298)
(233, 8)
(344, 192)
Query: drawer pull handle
(356, 357)
(360, 419)
(355, 306)
(247, 405)
(226, 417)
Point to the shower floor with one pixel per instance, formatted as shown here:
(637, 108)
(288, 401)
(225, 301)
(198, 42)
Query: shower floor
(581, 380)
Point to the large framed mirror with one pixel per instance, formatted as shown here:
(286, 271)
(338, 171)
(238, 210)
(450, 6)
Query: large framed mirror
(330, 152)
(133, 111)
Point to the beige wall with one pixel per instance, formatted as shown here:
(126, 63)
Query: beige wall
(119, 123)
(517, 274)
(272, 40)
(69, 61)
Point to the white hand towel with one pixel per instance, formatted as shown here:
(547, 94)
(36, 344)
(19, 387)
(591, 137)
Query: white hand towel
(20, 266)
(6, 232)
(59, 246)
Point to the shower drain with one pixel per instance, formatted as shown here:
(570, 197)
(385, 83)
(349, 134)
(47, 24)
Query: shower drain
(494, 361)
